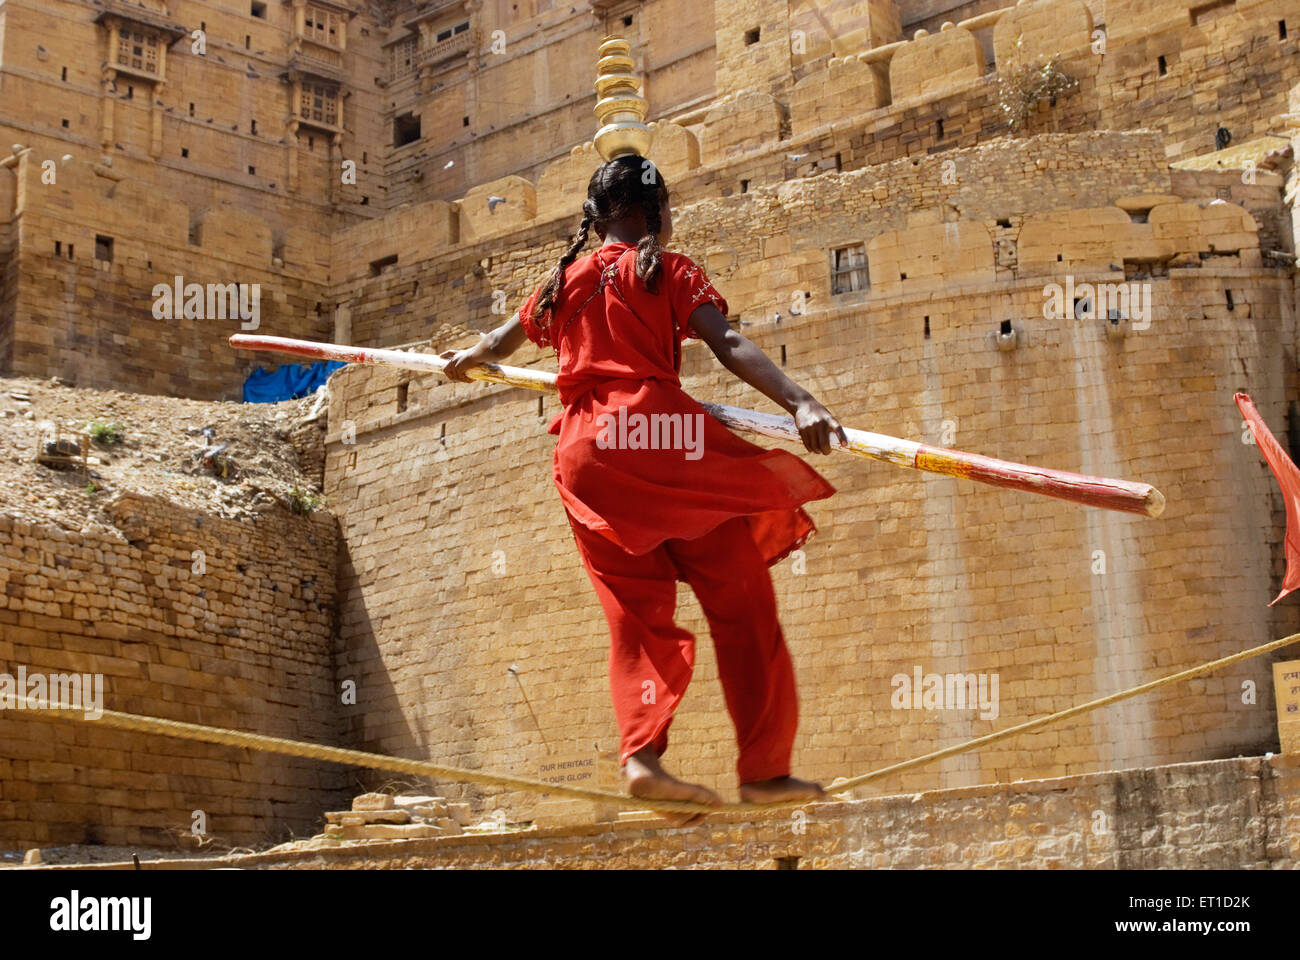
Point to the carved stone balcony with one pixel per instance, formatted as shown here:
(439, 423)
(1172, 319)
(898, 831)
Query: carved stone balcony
(144, 16)
(442, 52)
(313, 60)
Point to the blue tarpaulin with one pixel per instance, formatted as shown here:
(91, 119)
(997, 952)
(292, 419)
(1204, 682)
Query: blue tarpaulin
(289, 381)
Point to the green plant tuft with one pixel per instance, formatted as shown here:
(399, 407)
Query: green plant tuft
(103, 433)
(303, 502)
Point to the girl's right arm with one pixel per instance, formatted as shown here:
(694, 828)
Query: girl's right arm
(494, 346)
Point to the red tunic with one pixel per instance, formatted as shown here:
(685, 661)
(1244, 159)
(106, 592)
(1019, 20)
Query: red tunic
(620, 347)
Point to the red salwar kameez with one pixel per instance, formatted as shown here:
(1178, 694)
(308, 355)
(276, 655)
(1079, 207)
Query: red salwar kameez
(714, 516)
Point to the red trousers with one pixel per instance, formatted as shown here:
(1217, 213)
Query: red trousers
(651, 658)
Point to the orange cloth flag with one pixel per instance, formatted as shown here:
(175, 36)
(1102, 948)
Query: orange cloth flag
(1288, 477)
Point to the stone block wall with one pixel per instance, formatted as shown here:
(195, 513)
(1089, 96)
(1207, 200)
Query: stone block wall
(87, 312)
(792, 119)
(219, 112)
(520, 95)
(188, 617)
(933, 62)
(444, 291)
(838, 127)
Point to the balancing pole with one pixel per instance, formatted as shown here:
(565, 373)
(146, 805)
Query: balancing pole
(1123, 495)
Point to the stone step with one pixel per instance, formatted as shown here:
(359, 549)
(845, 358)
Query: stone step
(383, 831)
(359, 817)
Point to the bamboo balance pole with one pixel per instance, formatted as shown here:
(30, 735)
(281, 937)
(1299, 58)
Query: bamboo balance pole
(1123, 495)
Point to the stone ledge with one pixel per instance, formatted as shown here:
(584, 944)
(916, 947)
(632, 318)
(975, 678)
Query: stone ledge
(936, 830)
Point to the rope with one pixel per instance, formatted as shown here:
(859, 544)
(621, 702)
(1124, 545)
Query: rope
(358, 758)
(983, 741)
(426, 768)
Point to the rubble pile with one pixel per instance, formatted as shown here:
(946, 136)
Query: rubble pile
(66, 452)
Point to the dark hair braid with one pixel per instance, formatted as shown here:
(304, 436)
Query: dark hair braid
(648, 261)
(555, 283)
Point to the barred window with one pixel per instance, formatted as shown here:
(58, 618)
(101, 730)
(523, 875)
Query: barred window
(451, 31)
(401, 58)
(849, 269)
(137, 49)
(323, 27)
(320, 102)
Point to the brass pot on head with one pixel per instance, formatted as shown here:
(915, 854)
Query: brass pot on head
(620, 108)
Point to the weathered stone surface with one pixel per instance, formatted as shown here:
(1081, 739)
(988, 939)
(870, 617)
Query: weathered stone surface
(240, 640)
(358, 817)
(373, 801)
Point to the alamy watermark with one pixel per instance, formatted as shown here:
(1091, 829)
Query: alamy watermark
(69, 691)
(945, 691)
(77, 914)
(216, 301)
(1130, 300)
(655, 431)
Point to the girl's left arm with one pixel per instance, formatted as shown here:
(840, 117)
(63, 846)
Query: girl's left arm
(494, 346)
(742, 357)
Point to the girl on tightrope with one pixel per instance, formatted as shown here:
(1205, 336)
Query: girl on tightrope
(713, 512)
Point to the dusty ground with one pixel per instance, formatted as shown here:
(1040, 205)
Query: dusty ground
(108, 853)
(104, 853)
(78, 853)
(412, 793)
(160, 452)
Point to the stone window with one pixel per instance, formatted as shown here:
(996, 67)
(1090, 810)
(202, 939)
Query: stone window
(137, 48)
(401, 58)
(323, 27)
(104, 249)
(320, 102)
(849, 269)
(451, 31)
(406, 129)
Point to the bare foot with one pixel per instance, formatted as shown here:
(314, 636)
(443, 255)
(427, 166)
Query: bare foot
(781, 790)
(647, 779)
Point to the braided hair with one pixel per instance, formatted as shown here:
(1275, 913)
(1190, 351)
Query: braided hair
(617, 189)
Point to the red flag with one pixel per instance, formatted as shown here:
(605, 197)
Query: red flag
(1288, 478)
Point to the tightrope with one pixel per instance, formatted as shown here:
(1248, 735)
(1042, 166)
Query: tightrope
(426, 768)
